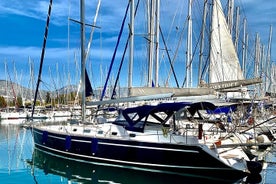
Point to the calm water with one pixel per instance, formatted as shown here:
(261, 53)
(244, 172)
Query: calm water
(21, 163)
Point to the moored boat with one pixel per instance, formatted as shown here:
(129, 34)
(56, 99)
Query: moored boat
(141, 137)
(135, 140)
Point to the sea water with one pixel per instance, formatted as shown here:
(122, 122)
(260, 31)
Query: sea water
(21, 163)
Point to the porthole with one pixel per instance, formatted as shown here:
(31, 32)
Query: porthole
(86, 130)
(132, 135)
(113, 133)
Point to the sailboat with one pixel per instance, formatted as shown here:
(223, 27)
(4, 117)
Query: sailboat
(224, 68)
(141, 138)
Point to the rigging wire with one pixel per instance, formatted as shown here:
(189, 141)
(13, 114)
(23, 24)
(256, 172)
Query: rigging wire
(114, 54)
(42, 55)
(122, 60)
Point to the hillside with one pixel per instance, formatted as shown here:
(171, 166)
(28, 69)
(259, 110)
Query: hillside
(10, 89)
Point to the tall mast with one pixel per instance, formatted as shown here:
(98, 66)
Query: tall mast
(157, 43)
(189, 48)
(257, 56)
(230, 14)
(245, 54)
(151, 40)
(82, 37)
(244, 47)
(92, 30)
(262, 68)
(268, 65)
(202, 41)
(58, 85)
(237, 28)
(7, 93)
(131, 44)
(42, 54)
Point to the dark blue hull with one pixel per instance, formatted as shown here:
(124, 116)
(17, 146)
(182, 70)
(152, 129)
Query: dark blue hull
(86, 172)
(178, 159)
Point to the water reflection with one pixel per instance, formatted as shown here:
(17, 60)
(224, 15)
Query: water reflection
(75, 171)
(16, 145)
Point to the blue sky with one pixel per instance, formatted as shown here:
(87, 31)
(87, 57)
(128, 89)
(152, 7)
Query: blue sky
(22, 25)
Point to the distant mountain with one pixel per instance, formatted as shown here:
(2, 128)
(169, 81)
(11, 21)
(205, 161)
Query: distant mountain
(10, 89)
(67, 89)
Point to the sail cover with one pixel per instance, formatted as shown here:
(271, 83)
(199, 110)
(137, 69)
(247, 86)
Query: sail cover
(272, 82)
(224, 62)
(88, 87)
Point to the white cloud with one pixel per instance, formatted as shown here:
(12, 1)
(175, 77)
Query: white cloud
(260, 14)
(12, 52)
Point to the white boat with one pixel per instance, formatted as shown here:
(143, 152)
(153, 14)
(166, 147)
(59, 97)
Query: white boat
(13, 116)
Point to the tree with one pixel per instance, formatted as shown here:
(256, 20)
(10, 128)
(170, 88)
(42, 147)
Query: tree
(48, 98)
(3, 103)
(19, 101)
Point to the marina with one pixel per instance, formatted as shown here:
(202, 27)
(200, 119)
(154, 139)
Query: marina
(219, 126)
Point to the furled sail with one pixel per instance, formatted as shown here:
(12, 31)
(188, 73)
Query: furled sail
(231, 84)
(224, 62)
(272, 84)
(142, 91)
(88, 87)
